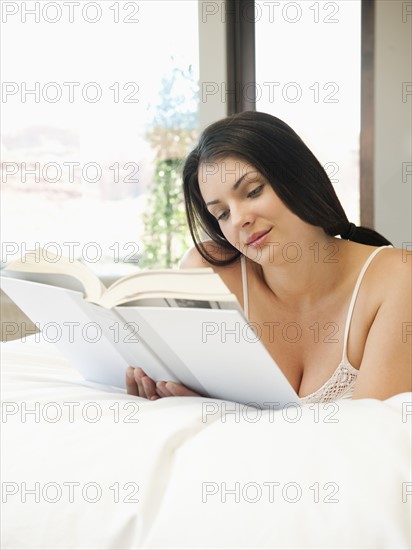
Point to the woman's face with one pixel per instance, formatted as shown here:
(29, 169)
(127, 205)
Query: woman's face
(250, 214)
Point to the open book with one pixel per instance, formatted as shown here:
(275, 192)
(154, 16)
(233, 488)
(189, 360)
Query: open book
(179, 325)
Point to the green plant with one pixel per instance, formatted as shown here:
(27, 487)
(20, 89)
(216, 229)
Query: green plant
(171, 135)
(166, 234)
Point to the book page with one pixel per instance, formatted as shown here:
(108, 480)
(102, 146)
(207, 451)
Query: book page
(190, 301)
(49, 264)
(217, 350)
(95, 340)
(202, 284)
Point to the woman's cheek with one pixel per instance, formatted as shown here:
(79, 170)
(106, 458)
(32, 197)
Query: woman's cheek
(231, 238)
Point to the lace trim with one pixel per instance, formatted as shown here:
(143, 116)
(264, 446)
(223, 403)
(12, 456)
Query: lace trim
(340, 385)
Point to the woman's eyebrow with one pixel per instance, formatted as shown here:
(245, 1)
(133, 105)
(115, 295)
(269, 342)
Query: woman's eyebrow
(235, 186)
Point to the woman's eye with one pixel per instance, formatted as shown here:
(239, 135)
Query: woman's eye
(222, 216)
(255, 191)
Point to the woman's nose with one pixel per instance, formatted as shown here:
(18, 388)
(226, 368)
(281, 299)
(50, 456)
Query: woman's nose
(241, 216)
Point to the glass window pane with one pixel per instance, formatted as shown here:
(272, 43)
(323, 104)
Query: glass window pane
(308, 74)
(95, 96)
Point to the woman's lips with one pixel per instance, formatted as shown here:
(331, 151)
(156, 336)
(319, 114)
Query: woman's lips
(258, 239)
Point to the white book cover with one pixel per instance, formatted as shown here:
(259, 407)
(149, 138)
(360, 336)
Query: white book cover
(212, 351)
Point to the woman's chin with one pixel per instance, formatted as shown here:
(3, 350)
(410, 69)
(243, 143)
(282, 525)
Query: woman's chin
(267, 255)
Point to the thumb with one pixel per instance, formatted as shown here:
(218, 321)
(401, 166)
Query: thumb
(179, 390)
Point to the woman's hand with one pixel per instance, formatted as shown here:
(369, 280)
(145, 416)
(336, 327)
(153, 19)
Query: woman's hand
(138, 383)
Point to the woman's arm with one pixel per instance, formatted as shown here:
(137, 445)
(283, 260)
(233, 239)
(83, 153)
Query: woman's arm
(386, 367)
(193, 258)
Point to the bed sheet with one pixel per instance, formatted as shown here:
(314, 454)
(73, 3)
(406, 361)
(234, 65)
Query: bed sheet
(86, 468)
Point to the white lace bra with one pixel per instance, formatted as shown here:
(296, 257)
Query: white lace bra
(342, 382)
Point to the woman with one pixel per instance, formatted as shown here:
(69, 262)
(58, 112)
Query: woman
(337, 311)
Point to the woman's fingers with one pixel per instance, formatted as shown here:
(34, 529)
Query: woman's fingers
(149, 387)
(162, 391)
(178, 389)
(131, 385)
(138, 383)
(173, 389)
(138, 374)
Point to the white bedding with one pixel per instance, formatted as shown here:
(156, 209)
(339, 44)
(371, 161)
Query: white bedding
(324, 476)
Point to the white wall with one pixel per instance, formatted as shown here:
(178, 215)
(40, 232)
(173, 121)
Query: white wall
(393, 120)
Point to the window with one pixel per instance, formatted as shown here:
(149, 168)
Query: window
(308, 74)
(99, 104)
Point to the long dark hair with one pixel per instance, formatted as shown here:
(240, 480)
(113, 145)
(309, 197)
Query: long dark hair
(279, 154)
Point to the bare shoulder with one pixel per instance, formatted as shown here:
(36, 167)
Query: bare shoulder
(389, 289)
(385, 367)
(392, 271)
(387, 281)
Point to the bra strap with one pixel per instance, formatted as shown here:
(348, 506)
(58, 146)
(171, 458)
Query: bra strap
(355, 295)
(245, 289)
